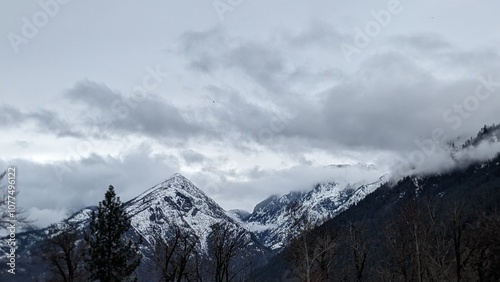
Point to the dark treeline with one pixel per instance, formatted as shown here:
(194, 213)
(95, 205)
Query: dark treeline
(426, 240)
(433, 228)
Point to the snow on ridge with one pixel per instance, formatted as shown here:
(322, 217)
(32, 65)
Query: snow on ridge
(177, 202)
(271, 222)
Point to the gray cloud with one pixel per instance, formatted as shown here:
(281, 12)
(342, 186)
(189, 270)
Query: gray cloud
(232, 111)
(93, 94)
(45, 121)
(390, 100)
(109, 112)
(393, 98)
(51, 122)
(202, 47)
(264, 65)
(318, 34)
(426, 42)
(193, 157)
(23, 144)
(52, 191)
(10, 115)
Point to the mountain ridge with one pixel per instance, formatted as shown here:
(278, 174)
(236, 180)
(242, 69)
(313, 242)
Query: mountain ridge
(272, 220)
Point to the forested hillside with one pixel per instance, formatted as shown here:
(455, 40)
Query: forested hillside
(441, 227)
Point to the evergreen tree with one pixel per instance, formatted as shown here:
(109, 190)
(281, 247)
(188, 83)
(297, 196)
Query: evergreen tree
(111, 257)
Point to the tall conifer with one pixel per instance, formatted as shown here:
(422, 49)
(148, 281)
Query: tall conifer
(111, 257)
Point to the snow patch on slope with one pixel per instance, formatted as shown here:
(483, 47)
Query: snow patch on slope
(273, 224)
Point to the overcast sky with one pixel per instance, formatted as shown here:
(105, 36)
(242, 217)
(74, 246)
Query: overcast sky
(245, 98)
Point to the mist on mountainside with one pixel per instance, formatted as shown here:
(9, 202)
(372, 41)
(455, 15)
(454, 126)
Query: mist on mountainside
(434, 157)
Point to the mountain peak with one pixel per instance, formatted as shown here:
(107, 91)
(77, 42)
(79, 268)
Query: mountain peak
(174, 185)
(177, 180)
(177, 176)
(176, 201)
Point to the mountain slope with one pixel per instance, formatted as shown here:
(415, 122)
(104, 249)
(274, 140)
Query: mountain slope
(462, 202)
(175, 202)
(274, 220)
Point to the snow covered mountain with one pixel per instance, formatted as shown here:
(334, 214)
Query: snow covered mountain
(274, 220)
(175, 202)
(178, 203)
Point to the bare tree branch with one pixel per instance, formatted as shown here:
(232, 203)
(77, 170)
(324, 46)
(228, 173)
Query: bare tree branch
(21, 214)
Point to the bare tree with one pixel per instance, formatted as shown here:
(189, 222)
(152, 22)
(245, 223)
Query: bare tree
(326, 249)
(225, 246)
(7, 197)
(436, 247)
(357, 247)
(64, 254)
(312, 254)
(300, 248)
(462, 251)
(431, 241)
(485, 240)
(311, 251)
(175, 258)
(399, 242)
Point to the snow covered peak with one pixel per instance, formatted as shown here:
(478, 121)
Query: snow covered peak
(178, 177)
(176, 182)
(176, 193)
(272, 221)
(177, 202)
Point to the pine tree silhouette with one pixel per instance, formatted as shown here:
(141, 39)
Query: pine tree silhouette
(111, 257)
